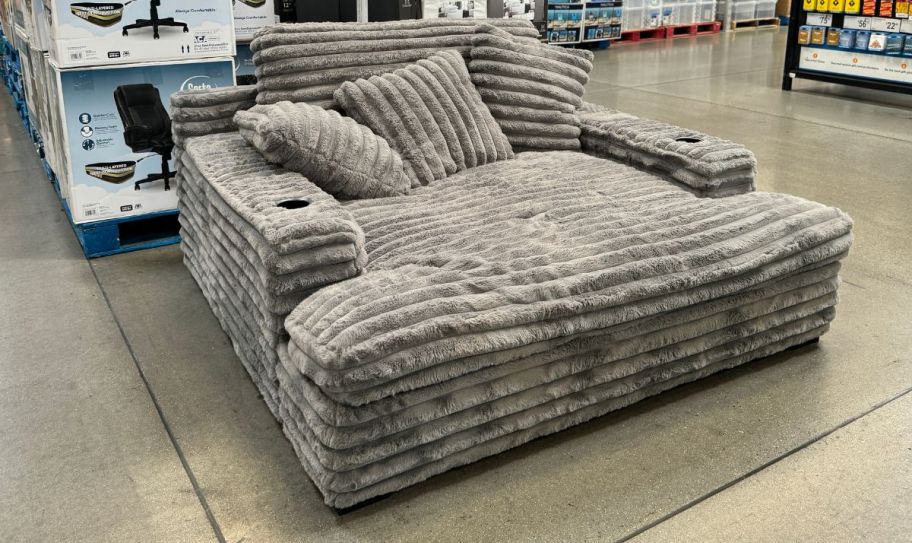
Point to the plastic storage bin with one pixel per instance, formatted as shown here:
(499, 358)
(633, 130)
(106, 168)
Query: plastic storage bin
(685, 13)
(766, 9)
(745, 10)
(706, 11)
(633, 19)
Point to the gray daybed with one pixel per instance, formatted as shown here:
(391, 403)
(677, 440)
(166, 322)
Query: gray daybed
(398, 336)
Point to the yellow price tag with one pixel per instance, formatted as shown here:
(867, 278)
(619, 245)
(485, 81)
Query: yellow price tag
(835, 6)
(823, 5)
(852, 6)
(809, 5)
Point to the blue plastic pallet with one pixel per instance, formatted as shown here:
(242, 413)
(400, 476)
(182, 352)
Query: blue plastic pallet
(115, 236)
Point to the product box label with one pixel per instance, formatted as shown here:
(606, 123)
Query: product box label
(244, 69)
(102, 33)
(118, 146)
(252, 15)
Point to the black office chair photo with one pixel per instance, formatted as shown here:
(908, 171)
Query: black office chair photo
(147, 127)
(154, 21)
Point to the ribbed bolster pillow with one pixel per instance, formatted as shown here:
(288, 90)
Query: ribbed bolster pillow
(710, 165)
(299, 62)
(517, 79)
(431, 114)
(208, 111)
(334, 152)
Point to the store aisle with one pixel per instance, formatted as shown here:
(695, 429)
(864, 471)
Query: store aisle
(97, 461)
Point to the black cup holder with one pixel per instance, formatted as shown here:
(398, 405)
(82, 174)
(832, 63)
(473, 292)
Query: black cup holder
(293, 204)
(689, 140)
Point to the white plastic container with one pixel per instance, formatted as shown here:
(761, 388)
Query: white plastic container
(766, 9)
(633, 19)
(745, 10)
(686, 13)
(706, 11)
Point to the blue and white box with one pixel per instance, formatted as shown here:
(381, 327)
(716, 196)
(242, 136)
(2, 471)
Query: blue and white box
(132, 31)
(103, 176)
(252, 15)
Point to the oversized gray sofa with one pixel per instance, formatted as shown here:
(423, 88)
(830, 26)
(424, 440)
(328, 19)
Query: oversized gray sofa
(397, 337)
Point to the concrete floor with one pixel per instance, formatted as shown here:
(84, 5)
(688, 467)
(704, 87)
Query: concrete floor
(125, 415)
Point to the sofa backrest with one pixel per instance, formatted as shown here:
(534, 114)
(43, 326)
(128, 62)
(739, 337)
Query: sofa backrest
(307, 62)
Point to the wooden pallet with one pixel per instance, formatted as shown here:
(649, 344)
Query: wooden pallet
(645, 34)
(696, 29)
(754, 24)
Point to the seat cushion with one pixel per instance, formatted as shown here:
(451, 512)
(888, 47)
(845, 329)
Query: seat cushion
(431, 115)
(335, 153)
(507, 256)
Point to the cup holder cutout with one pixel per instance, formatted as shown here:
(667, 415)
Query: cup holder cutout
(293, 204)
(689, 140)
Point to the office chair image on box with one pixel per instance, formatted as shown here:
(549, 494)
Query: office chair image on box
(154, 21)
(147, 127)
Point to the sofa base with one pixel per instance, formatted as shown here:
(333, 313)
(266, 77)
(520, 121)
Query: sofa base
(342, 511)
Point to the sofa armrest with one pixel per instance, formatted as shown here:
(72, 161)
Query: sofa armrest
(711, 166)
(287, 221)
(208, 111)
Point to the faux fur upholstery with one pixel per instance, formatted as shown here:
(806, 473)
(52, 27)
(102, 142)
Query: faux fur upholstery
(432, 116)
(306, 62)
(569, 300)
(532, 89)
(208, 111)
(398, 337)
(337, 154)
(711, 166)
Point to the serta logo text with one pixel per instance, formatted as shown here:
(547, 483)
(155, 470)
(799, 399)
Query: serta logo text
(196, 82)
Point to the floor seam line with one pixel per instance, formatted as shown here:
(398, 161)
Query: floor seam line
(776, 115)
(760, 468)
(161, 415)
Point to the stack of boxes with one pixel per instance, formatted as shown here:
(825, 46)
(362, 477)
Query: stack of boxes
(250, 16)
(519, 9)
(90, 68)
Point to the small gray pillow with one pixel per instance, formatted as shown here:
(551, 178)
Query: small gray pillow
(334, 152)
(431, 114)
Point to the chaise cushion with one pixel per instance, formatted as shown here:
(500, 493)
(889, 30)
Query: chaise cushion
(334, 152)
(431, 114)
(532, 89)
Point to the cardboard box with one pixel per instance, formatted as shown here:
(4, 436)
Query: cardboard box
(101, 171)
(252, 15)
(106, 33)
(244, 70)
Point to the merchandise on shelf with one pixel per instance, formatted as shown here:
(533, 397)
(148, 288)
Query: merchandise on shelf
(93, 34)
(456, 9)
(115, 164)
(564, 21)
(252, 15)
(603, 20)
(519, 9)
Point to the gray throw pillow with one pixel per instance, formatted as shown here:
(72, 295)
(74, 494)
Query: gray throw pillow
(334, 152)
(532, 89)
(431, 115)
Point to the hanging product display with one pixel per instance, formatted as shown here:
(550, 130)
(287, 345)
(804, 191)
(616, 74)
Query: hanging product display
(865, 43)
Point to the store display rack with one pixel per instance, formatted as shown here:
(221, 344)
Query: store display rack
(99, 238)
(578, 22)
(863, 43)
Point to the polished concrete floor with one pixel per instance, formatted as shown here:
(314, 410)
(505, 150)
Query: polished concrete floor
(125, 416)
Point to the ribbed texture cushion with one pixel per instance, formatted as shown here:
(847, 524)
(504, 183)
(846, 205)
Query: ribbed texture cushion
(431, 114)
(533, 90)
(306, 62)
(334, 152)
